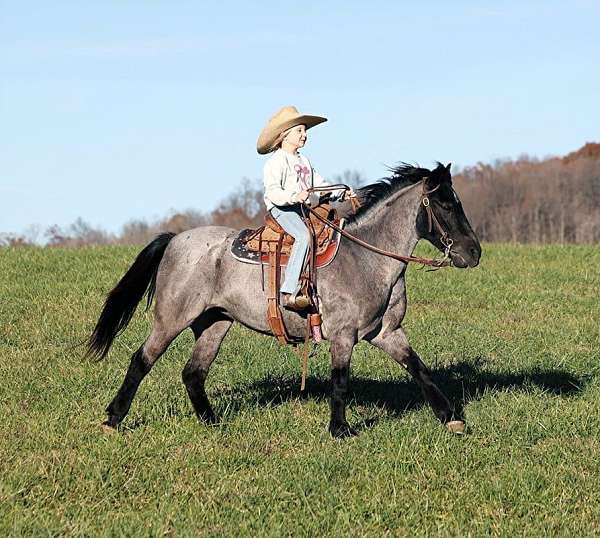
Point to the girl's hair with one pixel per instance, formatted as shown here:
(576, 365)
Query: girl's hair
(279, 140)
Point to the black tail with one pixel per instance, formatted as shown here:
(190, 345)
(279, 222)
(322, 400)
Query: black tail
(122, 301)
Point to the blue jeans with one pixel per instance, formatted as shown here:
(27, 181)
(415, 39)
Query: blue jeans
(289, 219)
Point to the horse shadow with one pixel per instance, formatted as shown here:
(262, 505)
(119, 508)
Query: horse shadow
(462, 382)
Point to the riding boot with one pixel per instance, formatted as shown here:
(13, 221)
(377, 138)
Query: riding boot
(295, 302)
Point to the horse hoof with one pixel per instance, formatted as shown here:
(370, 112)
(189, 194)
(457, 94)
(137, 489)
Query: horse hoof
(341, 431)
(456, 426)
(108, 428)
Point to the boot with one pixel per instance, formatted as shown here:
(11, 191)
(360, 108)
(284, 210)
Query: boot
(294, 302)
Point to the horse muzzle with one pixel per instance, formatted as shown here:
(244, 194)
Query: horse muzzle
(463, 257)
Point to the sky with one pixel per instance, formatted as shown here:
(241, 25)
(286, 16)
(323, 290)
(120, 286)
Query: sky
(120, 110)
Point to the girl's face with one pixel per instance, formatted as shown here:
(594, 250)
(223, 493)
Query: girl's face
(296, 136)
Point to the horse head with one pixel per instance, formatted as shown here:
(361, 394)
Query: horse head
(442, 220)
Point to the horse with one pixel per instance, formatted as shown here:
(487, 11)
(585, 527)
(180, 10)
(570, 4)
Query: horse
(198, 284)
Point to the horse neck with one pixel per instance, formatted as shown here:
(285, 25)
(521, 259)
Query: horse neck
(391, 224)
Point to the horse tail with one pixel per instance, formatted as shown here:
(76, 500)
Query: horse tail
(122, 301)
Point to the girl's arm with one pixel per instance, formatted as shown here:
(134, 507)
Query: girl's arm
(272, 179)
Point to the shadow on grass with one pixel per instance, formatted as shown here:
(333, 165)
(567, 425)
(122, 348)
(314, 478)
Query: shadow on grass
(462, 383)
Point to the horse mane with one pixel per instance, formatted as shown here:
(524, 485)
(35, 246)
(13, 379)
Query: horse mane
(401, 176)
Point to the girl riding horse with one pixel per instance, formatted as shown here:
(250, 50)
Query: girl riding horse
(288, 176)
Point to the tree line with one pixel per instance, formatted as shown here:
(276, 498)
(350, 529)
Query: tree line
(555, 200)
(527, 200)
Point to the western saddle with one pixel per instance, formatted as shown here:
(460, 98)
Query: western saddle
(271, 244)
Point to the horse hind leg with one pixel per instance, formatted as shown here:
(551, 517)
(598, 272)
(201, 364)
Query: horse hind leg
(141, 363)
(210, 330)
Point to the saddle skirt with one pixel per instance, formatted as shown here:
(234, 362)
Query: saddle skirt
(253, 246)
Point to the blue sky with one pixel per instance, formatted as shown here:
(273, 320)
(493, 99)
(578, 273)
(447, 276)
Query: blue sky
(116, 110)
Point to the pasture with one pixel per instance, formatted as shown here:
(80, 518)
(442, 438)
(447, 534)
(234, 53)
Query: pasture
(514, 342)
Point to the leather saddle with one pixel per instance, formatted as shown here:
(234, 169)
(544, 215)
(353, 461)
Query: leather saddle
(253, 246)
(270, 245)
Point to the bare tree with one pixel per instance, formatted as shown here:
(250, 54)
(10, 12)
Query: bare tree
(78, 234)
(352, 178)
(14, 240)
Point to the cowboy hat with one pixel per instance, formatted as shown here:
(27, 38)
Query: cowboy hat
(281, 121)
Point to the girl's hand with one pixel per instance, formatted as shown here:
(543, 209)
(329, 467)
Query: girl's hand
(302, 196)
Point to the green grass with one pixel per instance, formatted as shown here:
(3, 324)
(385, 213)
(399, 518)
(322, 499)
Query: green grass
(515, 341)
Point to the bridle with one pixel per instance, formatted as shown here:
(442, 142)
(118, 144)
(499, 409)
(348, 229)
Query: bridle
(432, 220)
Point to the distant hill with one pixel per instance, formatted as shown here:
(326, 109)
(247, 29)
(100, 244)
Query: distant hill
(591, 149)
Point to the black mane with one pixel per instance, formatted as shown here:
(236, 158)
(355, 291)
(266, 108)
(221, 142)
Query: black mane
(401, 176)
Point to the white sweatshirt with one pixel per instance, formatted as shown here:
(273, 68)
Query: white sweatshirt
(286, 175)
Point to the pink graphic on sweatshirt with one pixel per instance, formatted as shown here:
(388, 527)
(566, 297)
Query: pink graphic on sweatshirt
(303, 174)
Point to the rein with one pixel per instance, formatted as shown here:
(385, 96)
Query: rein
(432, 221)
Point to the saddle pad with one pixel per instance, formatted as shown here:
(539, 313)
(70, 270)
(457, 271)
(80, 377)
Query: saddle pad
(241, 253)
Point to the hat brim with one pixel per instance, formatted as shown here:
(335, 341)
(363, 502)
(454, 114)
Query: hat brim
(269, 135)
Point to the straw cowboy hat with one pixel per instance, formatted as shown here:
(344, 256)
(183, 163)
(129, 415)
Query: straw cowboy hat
(281, 121)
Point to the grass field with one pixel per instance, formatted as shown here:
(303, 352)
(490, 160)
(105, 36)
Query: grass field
(514, 341)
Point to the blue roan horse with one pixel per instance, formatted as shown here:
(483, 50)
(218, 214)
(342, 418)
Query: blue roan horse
(198, 284)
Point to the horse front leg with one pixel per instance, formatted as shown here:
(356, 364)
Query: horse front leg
(341, 353)
(396, 345)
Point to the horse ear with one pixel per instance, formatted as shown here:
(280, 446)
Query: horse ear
(437, 176)
(448, 174)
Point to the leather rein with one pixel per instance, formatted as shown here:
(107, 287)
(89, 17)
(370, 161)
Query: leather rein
(431, 219)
